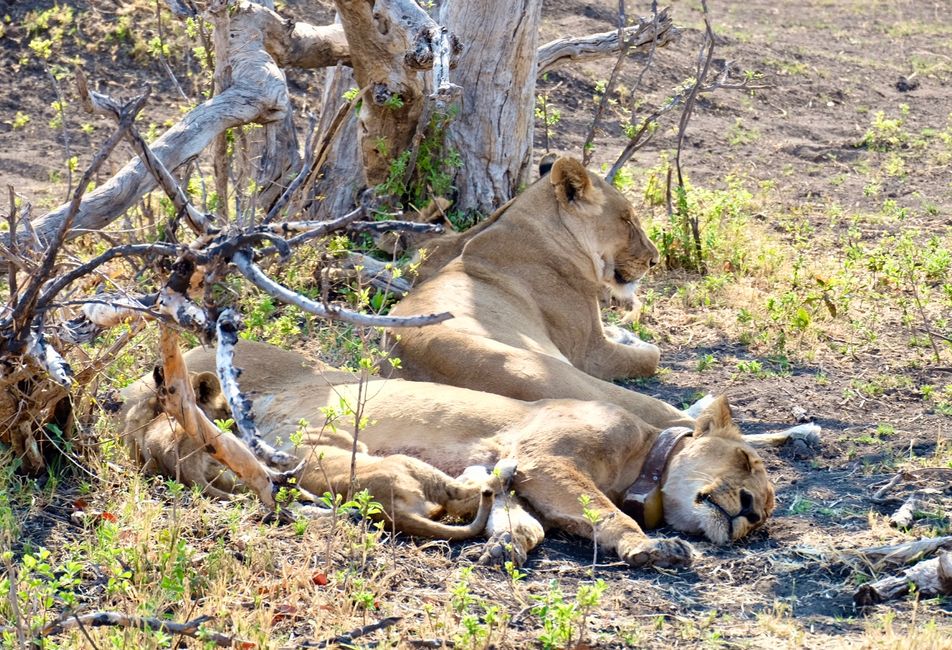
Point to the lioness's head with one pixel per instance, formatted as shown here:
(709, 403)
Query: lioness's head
(717, 485)
(606, 225)
(208, 393)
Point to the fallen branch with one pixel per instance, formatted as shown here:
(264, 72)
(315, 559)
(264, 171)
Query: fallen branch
(50, 360)
(102, 105)
(943, 473)
(929, 578)
(348, 638)
(809, 433)
(259, 94)
(564, 50)
(194, 628)
(373, 272)
(905, 516)
(257, 277)
(396, 226)
(180, 404)
(25, 309)
(878, 557)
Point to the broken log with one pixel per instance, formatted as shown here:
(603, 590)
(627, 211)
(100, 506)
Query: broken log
(929, 578)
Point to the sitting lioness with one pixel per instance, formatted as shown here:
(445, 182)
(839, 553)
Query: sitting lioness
(419, 434)
(524, 294)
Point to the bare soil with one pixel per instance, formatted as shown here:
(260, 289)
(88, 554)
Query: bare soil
(831, 65)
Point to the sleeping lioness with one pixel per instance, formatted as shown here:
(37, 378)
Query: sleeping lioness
(419, 435)
(524, 288)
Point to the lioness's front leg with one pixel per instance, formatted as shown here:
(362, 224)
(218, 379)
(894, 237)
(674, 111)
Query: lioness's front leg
(621, 356)
(555, 488)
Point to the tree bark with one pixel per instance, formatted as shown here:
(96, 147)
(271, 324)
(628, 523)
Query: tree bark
(342, 177)
(497, 71)
(390, 42)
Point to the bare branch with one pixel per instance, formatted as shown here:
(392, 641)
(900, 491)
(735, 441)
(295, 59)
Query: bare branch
(132, 250)
(399, 226)
(374, 273)
(179, 402)
(930, 578)
(242, 261)
(24, 310)
(49, 359)
(240, 405)
(637, 37)
(194, 628)
(348, 638)
(589, 144)
(103, 105)
(258, 94)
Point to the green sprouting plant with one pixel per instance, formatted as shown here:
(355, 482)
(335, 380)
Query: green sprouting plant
(460, 597)
(515, 575)
(564, 622)
(547, 115)
(705, 362)
(739, 134)
(593, 517)
(394, 102)
(297, 436)
(884, 133)
(432, 173)
(20, 120)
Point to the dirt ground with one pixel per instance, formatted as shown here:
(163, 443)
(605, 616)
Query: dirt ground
(820, 189)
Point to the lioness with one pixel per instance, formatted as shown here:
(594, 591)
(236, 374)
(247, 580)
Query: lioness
(524, 295)
(418, 434)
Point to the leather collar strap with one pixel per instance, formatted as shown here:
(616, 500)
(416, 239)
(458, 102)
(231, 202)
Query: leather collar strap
(642, 500)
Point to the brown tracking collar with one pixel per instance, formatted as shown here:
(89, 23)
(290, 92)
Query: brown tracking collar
(642, 500)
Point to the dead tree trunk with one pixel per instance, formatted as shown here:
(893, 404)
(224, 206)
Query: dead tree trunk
(391, 41)
(497, 71)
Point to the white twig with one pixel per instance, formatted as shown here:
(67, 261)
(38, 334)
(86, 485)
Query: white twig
(242, 261)
(112, 309)
(46, 356)
(182, 310)
(240, 405)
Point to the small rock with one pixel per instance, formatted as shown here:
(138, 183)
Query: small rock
(800, 450)
(800, 414)
(905, 84)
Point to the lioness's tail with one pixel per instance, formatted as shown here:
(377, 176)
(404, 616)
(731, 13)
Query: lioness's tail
(418, 526)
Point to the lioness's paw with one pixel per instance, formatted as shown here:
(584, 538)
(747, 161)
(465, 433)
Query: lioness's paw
(626, 337)
(808, 433)
(657, 552)
(504, 547)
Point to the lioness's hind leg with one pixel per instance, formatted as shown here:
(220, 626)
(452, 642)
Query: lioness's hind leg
(412, 492)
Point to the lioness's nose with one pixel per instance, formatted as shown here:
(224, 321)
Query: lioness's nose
(747, 507)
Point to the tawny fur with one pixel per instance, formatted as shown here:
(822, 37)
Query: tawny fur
(421, 433)
(524, 290)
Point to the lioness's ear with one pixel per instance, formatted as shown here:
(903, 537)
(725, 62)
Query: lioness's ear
(716, 420)
(206, 387)
(545, 165)
(746, 460)
(570, 180)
